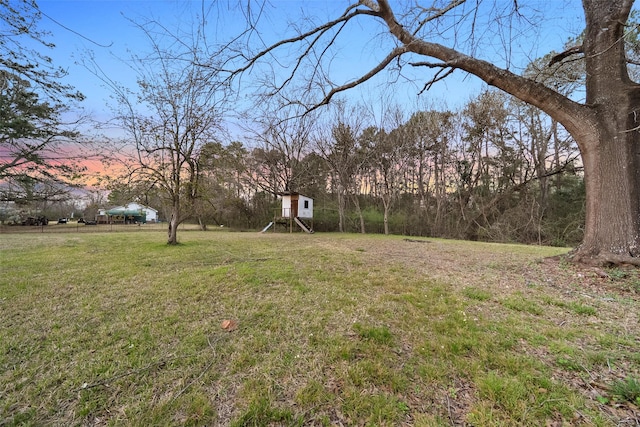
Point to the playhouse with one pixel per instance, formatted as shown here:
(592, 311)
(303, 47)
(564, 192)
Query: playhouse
(295, 205)
(296, 209)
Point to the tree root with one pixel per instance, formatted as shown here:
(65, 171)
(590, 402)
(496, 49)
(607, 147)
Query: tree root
(603, 259)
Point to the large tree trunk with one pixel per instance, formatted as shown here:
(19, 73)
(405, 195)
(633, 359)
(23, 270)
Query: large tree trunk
(610, 155)
(611, 181)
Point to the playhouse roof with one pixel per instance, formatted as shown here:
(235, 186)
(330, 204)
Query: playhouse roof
(292, 193)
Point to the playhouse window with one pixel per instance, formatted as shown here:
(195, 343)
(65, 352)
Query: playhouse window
(306, 204)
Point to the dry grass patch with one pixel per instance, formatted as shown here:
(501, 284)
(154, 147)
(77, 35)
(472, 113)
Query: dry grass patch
(120, 329)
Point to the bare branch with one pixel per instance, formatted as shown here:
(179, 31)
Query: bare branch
(348, 15)
(306, 52)
(395, 53)
(438, 77)
(437, 13)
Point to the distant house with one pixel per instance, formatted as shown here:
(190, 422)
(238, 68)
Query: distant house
(129, 214)
(151, 214)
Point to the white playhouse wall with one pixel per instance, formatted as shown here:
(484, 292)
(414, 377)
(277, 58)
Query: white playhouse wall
(305, 207)
(286, 206)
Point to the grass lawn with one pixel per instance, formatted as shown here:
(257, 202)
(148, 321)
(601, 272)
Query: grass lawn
(249, 329)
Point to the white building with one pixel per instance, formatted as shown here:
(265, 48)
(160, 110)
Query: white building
(152, 214)
(295, 205)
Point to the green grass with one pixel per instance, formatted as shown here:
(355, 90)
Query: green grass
(627, 390)
(121, 329)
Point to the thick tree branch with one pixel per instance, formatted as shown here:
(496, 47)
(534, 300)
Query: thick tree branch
(567, 53)
(571, 114)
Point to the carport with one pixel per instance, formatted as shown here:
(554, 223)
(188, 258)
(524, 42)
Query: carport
(126, 216)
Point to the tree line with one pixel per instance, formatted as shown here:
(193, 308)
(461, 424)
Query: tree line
(496, 170)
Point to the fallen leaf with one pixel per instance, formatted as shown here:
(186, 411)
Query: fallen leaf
(229, 325)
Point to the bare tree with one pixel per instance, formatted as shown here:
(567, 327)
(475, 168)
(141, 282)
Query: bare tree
(606, 126)
(347, 158)
(390, 157)
(546, 152)
(280, 146)
(178, 108)
(430, 134)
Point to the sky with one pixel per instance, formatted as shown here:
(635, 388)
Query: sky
(105, 28)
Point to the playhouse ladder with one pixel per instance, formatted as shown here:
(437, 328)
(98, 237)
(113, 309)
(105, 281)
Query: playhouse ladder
(305, 227)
